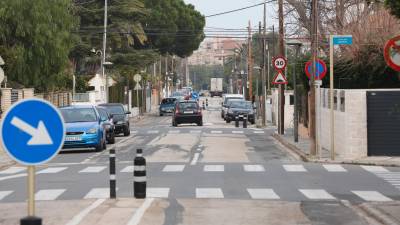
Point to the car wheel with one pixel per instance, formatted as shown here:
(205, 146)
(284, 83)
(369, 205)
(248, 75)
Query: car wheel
(227, 120)
(174, 124)
(200, 123)
(111, 140)
(127, 132)
(161, 114)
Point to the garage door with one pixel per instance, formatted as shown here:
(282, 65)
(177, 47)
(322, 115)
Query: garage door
(383, 118)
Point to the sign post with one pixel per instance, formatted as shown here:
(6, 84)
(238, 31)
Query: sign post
(137, 78)
(335, 40)
(280, 63)
(32, 139)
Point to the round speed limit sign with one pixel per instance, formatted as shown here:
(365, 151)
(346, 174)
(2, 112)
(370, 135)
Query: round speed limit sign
(279, 62)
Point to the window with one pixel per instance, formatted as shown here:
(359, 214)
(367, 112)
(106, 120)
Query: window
(291, 100)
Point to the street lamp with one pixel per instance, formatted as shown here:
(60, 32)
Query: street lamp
(297, 45)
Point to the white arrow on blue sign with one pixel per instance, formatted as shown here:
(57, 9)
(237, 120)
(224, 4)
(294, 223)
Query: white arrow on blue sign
(32, 132)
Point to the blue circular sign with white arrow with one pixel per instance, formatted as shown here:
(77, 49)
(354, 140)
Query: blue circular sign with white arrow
(32, 131)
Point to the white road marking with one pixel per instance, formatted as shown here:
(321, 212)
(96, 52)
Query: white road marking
(294, 168)
(195, 159)
(98, 193)
(374, 169)
(316, 194)
(195, 131)
(214, 168)
(137, 217)
(79, 217)
(13, 176)
(334, 168)
(262, 193)
(216, 132)
(4, 194)
(209, 193)
(134, 131)
(208, 124)
(174, 132)
(253, 168)
(152, 132)
(157, 192)
(237, 132)
(93, 169)
(52, 170)
(372, 196)
(259, 132)
(174, 168)
(391, 177)
(12, 170)
(48, 194)
(128, 169)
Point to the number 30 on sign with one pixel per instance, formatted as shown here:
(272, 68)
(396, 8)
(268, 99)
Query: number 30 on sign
(279, 63)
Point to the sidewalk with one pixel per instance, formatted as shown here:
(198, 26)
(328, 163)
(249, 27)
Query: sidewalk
(302, 149)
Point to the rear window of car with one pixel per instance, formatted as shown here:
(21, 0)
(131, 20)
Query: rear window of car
(168, 101)
(188, 106)
(230, 98)
(115, 109)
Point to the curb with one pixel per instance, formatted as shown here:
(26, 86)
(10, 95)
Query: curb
(377, 214)
(307, 158)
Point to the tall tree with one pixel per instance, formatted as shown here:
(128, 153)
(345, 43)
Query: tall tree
(394, 6)
(35, 40)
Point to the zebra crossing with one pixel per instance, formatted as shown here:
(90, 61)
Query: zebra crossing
(200, 131)
(392, 178)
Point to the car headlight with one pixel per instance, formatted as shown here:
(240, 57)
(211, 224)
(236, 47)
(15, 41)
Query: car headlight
(92, 131)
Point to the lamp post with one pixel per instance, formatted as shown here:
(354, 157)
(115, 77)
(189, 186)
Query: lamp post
(297, 45)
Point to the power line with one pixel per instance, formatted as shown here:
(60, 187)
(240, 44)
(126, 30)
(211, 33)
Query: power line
(240, 9)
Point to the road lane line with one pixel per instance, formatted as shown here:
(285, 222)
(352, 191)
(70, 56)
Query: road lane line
(93, 169)
(128, 169)
(98, 193)
(372, 196)
(52, 170)
(174, 131)
(209, 193)
(334, 168)
(262, 193)
(195, 158)
(13, 176)
(4, 194)
(294, 168)
(216, 132)
(237, 132)
(253, 168)
(173, 168)
(157, 192)
(316, 194)
(259, 132)
(152, 132)
(214, 168)
(12, 170)
(374, 169)
(137, 217)
(48, 194)
(79, 217)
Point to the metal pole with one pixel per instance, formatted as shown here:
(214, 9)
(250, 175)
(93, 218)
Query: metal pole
(332, 119)
(281, 121)
(31, 190)
(295, 116)
(264, 67)
(104, 47)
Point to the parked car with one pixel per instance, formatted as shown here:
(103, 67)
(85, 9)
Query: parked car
(85, 128)
(120, 117)
(187, 112)
(225, 99)
(109, 124)
(167, 106)
(240, 107)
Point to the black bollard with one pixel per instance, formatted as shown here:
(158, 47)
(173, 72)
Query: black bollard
(207, 102)
(139, 175)
(113, 181)
(31, 220)
(236, 121)
(204, 106)
(245, 121)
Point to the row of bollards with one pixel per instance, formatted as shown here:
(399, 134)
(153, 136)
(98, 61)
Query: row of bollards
(243, 118)
(139, 175)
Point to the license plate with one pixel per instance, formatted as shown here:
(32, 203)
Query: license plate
(73, 138)
(188, 112)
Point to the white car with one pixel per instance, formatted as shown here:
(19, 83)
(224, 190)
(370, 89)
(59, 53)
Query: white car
(225, 99)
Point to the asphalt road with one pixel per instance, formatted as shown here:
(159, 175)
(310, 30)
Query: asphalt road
(216, 161)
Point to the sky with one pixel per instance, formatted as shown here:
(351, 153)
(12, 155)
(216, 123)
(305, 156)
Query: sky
(235, 20)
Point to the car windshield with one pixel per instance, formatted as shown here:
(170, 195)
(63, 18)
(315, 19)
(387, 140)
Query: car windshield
(115, 109)
(177, 94)
(231, 98)
(168, 101)
(75, 115)
(188, 106)
(240, 105)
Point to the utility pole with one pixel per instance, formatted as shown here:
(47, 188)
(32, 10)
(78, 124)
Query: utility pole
(314, 49)
(250, 65)
(264, 67)
(104, 49)
(160, 81)
(281, 114)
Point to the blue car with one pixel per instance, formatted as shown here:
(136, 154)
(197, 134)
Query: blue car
(167, 106)
(85, 128)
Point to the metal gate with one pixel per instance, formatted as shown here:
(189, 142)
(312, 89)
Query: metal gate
(383, 122)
